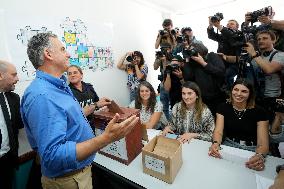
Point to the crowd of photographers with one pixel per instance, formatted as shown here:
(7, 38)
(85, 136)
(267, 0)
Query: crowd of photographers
(251, 52)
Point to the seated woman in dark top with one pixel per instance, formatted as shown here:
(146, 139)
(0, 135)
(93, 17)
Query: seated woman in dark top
(84, 92)
(244, 125)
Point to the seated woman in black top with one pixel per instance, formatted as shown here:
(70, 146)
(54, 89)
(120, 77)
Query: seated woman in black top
(84, 92)
(244, 125)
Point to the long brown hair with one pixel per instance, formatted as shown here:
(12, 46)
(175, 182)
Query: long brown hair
(199, 105)
(152, 100)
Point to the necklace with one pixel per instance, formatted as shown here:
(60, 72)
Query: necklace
(239, 113)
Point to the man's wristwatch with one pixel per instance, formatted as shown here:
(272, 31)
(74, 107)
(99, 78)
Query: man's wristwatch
(96, 106)
(256, 55)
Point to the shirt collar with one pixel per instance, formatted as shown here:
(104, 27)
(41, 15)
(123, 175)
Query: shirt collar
(58, 82)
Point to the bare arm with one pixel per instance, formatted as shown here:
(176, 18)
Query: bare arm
(268, 67)
(155, 118)
(217, 136)
(167, 83)
(120, 64)
(114, 131)
(265, 65)
(277, 24)
(158, 41)
(262, 137)
(257, 161)
(139, 74)
(279, 181)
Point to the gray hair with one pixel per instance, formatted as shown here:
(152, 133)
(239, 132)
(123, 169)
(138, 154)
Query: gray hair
(36, 46)
(3, 66)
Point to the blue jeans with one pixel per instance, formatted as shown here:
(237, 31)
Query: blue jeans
(229, 142)
(132, 95)
(276, 138)
(165, 99)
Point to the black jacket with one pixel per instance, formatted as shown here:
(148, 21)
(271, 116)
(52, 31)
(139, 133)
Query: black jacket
(14, 125)
(210, 78)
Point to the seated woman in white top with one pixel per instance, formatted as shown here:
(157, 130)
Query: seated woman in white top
(190, 117)
(151, 110)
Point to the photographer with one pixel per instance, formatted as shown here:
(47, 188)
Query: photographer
(224, 37)
(225, 44)
(173, 79)
(268, 62)
(185, 40)
(265, 17)
(207, 70)
(133, 63)
(163, 58)
(167, 35)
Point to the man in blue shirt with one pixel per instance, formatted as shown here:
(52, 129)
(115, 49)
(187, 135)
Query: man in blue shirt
(55, 124)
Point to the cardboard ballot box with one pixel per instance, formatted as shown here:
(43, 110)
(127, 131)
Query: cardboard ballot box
(162, 158)
(127, 148)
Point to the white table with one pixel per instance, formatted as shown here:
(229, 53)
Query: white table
(199, 171)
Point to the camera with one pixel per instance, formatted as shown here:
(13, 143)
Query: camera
(130, 58)
(279, 105)
(160, 77)
(187, 53)
(267, 11)
(217, 17)
(182, 38)
(171, 67)
(175, 31)
(163, 32)
(163, 52)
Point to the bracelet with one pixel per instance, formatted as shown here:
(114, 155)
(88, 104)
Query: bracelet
(262, 156)
(215, 141)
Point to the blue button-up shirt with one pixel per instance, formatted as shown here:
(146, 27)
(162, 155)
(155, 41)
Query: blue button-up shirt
(54, 123)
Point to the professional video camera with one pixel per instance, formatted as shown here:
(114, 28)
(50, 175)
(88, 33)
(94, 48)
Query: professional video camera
(217, 17)
(171, 67)
(267, 11)
(187, 53)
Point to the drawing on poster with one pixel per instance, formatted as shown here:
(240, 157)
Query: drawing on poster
(83, 53)
(24, 36)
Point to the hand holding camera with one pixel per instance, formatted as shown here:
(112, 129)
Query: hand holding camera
(172, 68)
(178, 73)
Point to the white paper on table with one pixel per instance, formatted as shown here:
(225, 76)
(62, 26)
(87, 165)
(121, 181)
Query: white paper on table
(116, 148)
(263, 182)
(155, 164)
(235, 155)
(152, 133)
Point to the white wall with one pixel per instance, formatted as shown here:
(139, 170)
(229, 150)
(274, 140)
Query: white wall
(134, 28)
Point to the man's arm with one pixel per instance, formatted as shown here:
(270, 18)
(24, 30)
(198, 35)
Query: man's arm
(275, 24)
(279, 181)
(265, 65)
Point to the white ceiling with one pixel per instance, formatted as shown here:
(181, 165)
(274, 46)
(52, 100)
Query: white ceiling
(180, 7)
